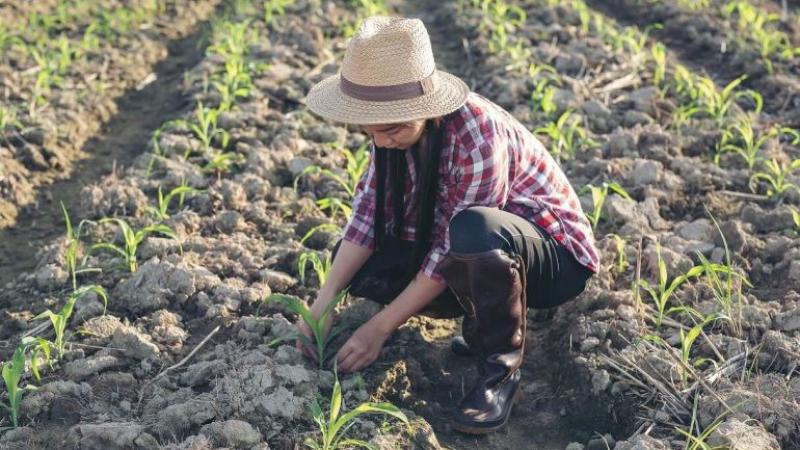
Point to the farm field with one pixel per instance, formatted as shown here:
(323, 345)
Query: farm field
(164, 190)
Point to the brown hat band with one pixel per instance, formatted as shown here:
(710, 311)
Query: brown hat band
(388, 93)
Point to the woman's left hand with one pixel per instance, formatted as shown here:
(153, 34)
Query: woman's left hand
(363, 347)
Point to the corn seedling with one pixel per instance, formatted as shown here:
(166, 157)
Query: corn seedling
(205, 129)
(621, 259)
(363, 8)
(796, 219)
(357, 163)
(321, 227)
(223, 162)
(687, 341)
(12, 376)
(661, 292)
(322, 337)
(73, 249)
(775, 175)
(658, 53)
(334, 427)
(566, 136)
(634, 42)
(335, 206)
(696, 438)
(502, 19)
(321, 267)
(683, 114)
(695, 5)
(161, 212)
(40, 346)
(599, 194)
(717, 104)
(131, 240)
(274, 9)
(750, 20)
(741, 138)
(542, 97)
(233, 83)
(60, 320)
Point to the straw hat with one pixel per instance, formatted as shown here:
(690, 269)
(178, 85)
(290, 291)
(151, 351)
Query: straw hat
(388, 75)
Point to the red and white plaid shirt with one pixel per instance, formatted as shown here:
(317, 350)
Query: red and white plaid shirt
(488, 158)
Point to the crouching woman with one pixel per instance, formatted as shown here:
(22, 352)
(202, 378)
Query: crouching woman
(461, 212)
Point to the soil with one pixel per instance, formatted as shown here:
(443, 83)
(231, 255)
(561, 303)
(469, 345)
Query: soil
(116, 144)
(50, 142)
(589, 379)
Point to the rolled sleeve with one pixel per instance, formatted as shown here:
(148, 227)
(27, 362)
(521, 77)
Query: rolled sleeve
(359, 229)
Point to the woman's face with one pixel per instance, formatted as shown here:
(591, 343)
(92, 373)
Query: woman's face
(395, 135)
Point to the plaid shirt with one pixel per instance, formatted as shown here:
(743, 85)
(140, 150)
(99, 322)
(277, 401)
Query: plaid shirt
(488, 158)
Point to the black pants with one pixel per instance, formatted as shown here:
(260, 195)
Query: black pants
(554, 276)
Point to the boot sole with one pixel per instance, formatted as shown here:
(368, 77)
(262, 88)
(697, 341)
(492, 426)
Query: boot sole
(486, 430)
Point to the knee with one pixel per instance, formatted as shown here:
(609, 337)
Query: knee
(471, 229)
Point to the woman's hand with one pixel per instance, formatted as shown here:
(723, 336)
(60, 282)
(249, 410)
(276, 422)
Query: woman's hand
(363, 347)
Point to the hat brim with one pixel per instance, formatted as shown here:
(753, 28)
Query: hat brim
(327, 100)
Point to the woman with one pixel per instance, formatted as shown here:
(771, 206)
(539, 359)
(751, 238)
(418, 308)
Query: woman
(461, 212)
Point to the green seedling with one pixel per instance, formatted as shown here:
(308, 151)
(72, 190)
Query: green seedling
(687, 341)
(695, 437)
(232, 84)
(584, 15)
(41, 354)
(236, 38)
(223, 162)
(161, 212)
(364, 9)
(684, 83)
(60, 320)
(131, 240)
(321, 267)
(566, 136)
(599, 194)
(683, 115)
(634, 42)
(694, 5)
(274, 9)
(12, 376)
(332, 227)
(757, 25)
(501, 20)
(335, 206)
(89, 42)
(717, 104)
(741, 138)
(796, 219)
(72, 250)
(622, 260)
(334, 427)
(658, 53)
(727, 293)
(8, 119)
(775, 175)
(773, 43)
(542, 97)
(661, 292)
(356, 164)
(205, 129)
(322, 338)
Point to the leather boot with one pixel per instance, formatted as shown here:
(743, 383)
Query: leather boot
(491, 288)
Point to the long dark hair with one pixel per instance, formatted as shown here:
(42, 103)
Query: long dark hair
(393, 162)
